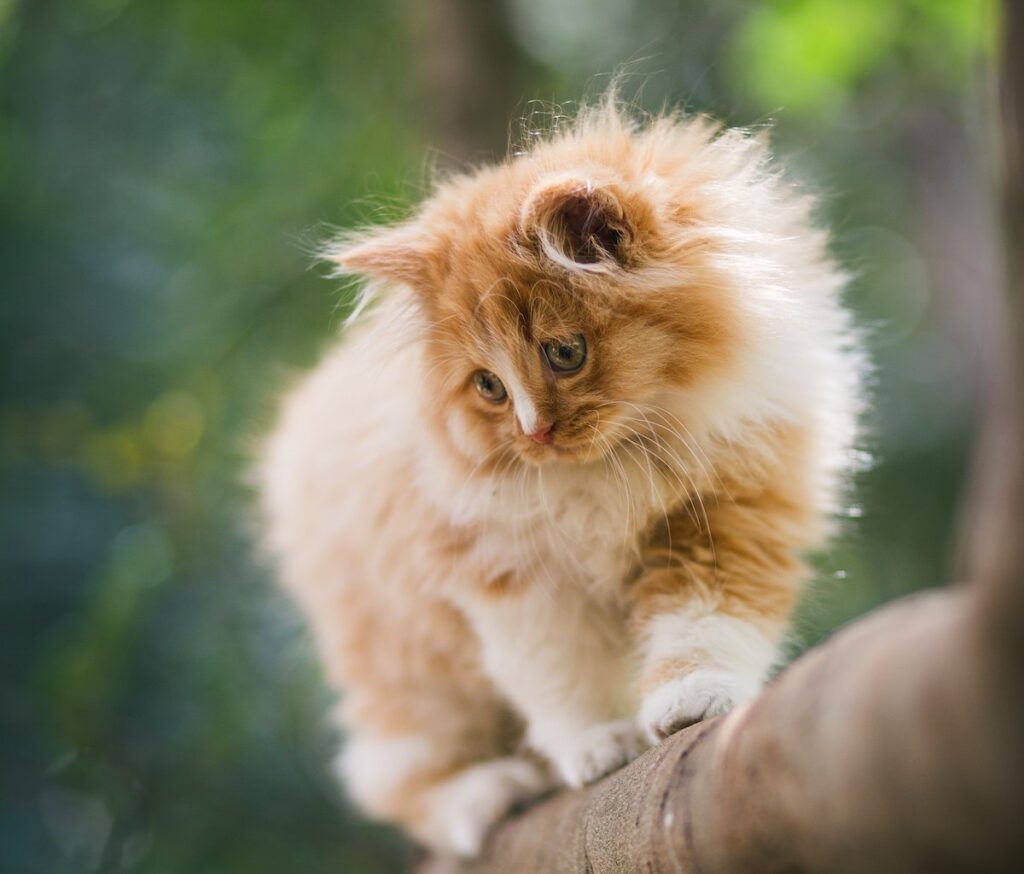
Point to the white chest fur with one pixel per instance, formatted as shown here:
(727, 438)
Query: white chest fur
(576, 524)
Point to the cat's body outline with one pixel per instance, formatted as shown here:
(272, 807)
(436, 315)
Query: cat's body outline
(496, 601)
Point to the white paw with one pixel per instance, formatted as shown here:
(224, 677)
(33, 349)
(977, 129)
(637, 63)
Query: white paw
(688, 699)
(596, 751)
(465, 808)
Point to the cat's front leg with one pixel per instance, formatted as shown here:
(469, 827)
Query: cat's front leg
(710, 605)
(564, 663)
(699, 663)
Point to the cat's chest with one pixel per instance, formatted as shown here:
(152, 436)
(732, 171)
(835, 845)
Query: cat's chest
(584, 526)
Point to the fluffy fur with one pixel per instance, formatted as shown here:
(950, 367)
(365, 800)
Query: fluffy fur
(505, 613)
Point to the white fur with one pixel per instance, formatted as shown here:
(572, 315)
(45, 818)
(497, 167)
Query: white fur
(526, 411)
(463, 809)
(691, 698)
(583, 756)
(372, 767)
(577, 523)
(738, 656)
(563, 660)
(522, 403)
(559, 650)
(737, 646)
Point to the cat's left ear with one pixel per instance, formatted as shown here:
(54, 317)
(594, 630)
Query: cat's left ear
(400, 254)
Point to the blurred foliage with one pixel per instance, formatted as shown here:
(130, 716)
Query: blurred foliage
(164, 167)
(809, 55)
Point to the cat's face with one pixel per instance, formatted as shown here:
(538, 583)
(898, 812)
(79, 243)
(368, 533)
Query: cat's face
(526, 365)
(527, 368)
(556, 307)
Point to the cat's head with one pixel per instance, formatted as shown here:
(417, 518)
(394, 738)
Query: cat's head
(561, 294)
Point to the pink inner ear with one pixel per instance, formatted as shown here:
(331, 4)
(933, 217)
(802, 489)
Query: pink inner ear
(589, 232)
(578, 221)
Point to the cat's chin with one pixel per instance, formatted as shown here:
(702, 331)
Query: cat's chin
(582, 452)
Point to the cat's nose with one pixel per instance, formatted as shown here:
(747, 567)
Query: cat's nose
(543, 435)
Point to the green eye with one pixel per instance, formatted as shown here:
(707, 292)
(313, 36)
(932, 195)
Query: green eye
(568, 355)
(489, 386)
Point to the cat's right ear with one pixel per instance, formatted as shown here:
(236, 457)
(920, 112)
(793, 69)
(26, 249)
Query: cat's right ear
(580, 223)
(400, 254)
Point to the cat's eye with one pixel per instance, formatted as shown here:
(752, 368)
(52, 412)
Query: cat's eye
(489, 386)
(566, 355)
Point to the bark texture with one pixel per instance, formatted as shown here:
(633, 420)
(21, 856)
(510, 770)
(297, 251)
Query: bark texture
(896, 746)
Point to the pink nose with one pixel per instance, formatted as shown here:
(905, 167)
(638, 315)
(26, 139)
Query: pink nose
(543, 435)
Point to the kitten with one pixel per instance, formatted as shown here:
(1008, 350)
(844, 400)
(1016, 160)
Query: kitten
(546, 504)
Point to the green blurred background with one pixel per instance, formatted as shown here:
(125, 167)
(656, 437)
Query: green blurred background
(167, 165)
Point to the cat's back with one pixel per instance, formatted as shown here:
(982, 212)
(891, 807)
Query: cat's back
(349, 528)
(332, 467)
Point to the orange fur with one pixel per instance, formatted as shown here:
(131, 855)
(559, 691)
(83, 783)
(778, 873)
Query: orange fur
(471, 588)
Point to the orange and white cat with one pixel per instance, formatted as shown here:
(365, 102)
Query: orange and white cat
(546, 503)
